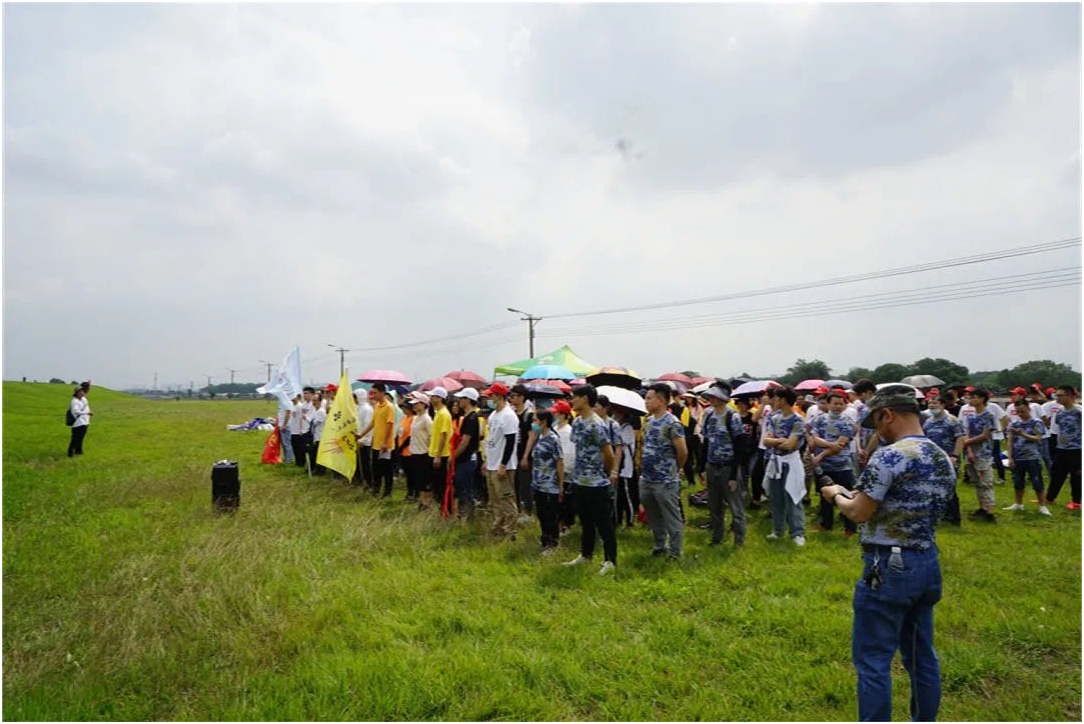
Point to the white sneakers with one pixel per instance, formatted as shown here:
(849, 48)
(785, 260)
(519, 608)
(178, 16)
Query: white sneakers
(575, 561)
(525, 520)
(772, 536)
(607, 567)
(1015, 506)
(1043, 510)
(799, 540)
(547, 552)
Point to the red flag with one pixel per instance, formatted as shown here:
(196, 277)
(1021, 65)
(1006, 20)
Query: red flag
(271, 455)
(449, 482)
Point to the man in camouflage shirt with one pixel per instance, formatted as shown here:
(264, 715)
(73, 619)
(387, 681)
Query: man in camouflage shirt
(720, 427)
(898, 500)
(1024, 436)
(664, 454)
(948, 432)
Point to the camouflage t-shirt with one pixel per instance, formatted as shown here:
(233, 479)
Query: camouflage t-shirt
(911, 480)
(544, 456)
(832, 427)
(1069, 428)
(786, 427)
(589, 434)
(658, 462)
(720, 437)
(1023, 449)
(943, 429)
(978, 424)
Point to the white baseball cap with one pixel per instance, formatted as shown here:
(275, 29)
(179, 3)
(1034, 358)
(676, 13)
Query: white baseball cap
(469, 392)
(439, 392)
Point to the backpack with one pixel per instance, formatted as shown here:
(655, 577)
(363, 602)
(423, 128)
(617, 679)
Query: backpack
(69, 418)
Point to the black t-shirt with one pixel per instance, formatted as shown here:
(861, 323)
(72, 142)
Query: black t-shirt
(525, 420)
(747, 424)
(469, 427)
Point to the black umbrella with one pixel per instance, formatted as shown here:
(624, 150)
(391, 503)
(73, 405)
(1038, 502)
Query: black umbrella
(542, 392)
(615, 377)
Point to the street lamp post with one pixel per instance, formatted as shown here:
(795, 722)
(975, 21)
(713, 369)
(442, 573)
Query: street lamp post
(530, 319)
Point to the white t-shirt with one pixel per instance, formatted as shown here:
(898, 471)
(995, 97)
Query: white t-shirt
(318, 419)
(1051, 410)
(299, 423)
(365, 416)
(80, 411)
(501, 423)
(765, 413)
(568, 448)
(998, 413)
(420, 430)
(965, 412)
(628, 440)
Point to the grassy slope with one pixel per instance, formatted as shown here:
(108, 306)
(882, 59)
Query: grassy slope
(126, 598)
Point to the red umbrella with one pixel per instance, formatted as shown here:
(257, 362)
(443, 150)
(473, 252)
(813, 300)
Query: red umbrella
(446, 382)
(702, 380)
(469, 379)
(678, 377)
(388, 377)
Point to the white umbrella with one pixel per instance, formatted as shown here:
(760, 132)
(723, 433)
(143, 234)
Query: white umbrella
(922, 381)
(918, 394)
(704, 387)
(623, 398)
(752, 388)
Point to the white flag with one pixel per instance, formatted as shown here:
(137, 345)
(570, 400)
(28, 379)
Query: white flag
(286, 382)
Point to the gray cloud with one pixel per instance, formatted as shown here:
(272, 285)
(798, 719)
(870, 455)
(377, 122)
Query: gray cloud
(191, 187)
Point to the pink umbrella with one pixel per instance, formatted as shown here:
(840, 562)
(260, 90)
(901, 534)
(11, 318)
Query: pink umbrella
(559, 384)
(678, 377)
(469, 379)
(388, 377)
(809, 384)
(702, 380)
(446, 382)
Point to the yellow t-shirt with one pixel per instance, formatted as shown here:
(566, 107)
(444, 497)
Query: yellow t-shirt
(442, 424)
(383, 419)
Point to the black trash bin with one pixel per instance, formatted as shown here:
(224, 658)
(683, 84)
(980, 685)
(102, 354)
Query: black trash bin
(225, 486)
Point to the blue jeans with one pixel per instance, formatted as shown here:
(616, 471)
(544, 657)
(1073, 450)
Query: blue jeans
(1024, 469)
(287, 447)
(899, 615)
(464, 486)
(785, 512)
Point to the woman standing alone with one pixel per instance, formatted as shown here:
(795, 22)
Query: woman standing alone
(80, 411)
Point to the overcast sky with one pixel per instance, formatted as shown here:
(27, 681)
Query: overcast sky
(191, 188)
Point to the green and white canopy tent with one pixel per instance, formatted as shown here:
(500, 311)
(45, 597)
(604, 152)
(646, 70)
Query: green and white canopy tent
(563, 356)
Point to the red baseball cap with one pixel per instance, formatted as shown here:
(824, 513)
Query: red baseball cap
(562, 406)
(497, 388)
(1050, 390)
(1018, 391)
(820, 391)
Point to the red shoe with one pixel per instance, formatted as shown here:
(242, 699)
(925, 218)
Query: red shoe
(1073, 506)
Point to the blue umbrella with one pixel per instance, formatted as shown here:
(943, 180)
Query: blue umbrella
(548, 372)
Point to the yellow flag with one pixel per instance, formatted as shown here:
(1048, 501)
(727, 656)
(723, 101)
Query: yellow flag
(338, 443)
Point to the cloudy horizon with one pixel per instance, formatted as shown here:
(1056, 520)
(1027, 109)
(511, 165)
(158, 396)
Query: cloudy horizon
(192, 188)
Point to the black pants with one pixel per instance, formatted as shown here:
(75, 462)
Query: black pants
(300, 444)
(75, 447)
(1066, 464)
(523, 490)
(438, 479)
(417, 467)
(382, 472)
(952, 507)
(995, 447)
(690, 461)
(568, 507)
(549, 517)
(628, 502)
(756, 483)
(481, 490)
(364, 471)
(828, 510)
(314, 449)
(596, 516)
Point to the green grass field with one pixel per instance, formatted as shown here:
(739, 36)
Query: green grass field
(125, 597)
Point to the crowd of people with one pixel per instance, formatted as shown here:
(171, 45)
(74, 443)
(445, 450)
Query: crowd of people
(585, 459)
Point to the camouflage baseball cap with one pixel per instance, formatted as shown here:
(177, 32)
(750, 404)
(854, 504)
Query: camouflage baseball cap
(896, 397)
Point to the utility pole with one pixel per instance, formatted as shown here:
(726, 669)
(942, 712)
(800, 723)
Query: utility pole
(342, 357)
(208, 382)
(530, 319)
(156, 380)
(268, 365)
(232, 371)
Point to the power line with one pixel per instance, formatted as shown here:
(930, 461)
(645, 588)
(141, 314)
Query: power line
(840, 309)
(898, 271)
(671, 322)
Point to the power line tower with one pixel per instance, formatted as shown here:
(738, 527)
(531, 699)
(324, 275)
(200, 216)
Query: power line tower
(232, 372)
(268, 365)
